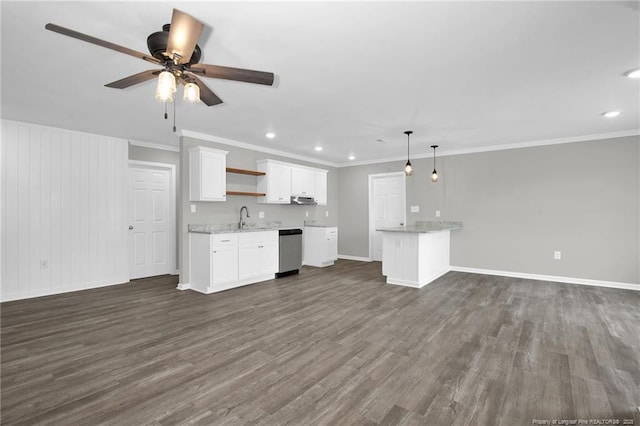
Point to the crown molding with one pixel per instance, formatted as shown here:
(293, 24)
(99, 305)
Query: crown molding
(530, 144)
(238, 144)
(154, 145)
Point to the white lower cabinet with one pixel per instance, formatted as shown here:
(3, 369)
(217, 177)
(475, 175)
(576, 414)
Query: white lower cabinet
(258, 255)
(320, 245)
(224, 265)
(223, 261)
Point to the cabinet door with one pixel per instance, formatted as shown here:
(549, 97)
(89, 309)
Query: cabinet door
(332, 244)
(207, 174)
(303, 182)
(279, 187)
(321, 188)
(269, 258)
(224, 264)
(249, 260)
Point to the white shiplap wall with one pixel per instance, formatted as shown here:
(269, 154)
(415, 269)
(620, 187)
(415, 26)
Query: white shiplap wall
(64, 211)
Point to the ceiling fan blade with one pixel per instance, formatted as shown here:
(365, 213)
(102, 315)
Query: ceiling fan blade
(84, 37)
(206, 95)
(183, 35)
(237, 74)
(134, 79)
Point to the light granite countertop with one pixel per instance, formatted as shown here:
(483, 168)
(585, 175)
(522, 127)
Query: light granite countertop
(209, 228)
(318, 224)
(425, 227)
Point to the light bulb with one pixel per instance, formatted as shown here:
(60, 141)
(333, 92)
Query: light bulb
(191, 92)
(434, 176)
(166, 87)
(408, 169)
(633, 74)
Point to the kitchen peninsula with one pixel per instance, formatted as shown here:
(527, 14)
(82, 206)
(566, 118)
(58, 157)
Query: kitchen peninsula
(414, 256)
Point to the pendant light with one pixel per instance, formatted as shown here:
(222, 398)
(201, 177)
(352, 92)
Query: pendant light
(434, 174)
(408, 168)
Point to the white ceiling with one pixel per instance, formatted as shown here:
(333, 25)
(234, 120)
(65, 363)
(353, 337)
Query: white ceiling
(463, 75)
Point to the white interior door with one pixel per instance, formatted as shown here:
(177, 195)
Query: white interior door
(150, 229)
(387, 207)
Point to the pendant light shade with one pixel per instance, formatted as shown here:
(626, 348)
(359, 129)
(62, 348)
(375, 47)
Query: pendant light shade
(408, 168)
(191, 92)
(166, 86)
(434, 173)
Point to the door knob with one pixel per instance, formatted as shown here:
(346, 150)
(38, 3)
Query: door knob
(130, 227)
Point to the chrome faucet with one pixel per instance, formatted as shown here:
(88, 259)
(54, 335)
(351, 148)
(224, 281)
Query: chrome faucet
(241, 223)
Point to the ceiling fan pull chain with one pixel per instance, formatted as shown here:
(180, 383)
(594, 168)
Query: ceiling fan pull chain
(174, 117)
(165, 111)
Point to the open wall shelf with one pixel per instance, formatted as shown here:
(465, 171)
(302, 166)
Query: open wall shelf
(250, 194)
(245, 172)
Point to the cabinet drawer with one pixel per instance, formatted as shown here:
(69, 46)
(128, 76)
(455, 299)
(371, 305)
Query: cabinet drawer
(224, 239)
(258, 237)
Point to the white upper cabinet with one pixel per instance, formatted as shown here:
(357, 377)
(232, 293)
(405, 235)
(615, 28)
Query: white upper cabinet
(276, 183)
(303, 182)
(207, 174)
(321, 187)
(282, 180)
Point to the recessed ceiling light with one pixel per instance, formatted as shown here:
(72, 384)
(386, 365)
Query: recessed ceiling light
(611, 114)
(633, 73)
(270, 135)
(352, 157)
(318, 148)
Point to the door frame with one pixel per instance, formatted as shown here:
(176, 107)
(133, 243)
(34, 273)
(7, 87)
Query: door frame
(371, 218)
(173, 249)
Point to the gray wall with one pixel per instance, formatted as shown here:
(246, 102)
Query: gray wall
(227, 212)
(520, 205)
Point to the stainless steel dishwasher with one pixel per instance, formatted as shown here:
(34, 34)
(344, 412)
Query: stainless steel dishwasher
(290, 250)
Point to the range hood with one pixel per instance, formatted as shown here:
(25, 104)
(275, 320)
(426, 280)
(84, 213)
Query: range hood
(303, 200)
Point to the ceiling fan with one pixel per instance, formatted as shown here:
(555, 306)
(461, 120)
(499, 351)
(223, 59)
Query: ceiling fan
(175, 48)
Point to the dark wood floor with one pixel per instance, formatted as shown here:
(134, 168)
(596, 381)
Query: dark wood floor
(330, 346)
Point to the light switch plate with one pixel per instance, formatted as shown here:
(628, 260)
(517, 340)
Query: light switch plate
(437, 213)
(326, 213)
(306, 213)
(415, 209)
(557, 255)
(261, 215)
(193, 208)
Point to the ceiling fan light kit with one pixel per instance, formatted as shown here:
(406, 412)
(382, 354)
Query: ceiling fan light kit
(166, 87)
(191, 93)
(176, 49)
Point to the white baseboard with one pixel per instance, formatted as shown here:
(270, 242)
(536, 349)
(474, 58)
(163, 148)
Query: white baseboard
(539, 277)
(53, 291)
(185, 286)
(358, 258)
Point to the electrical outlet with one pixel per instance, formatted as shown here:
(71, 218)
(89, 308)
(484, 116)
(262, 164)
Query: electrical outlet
(437, 213)
(326, 214)
(260, 215)
(193, 208)
(557, 255)
(415, 209)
